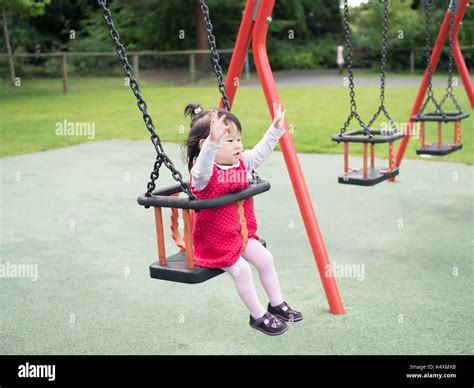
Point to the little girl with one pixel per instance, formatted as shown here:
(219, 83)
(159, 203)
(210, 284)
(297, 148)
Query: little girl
(226, 237)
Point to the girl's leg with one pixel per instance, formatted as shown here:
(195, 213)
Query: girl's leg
(262, 259)
(242, 275)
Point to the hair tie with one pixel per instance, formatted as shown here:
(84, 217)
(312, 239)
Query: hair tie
(197, 110)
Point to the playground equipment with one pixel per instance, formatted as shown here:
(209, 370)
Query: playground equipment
(254, 26)
(439, 116)
(457, 10)
(179, 267)
(367, 175)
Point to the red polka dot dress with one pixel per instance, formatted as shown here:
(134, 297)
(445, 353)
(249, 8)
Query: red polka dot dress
(217, 232)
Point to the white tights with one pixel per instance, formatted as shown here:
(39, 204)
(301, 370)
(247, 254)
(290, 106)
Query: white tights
(256, 254)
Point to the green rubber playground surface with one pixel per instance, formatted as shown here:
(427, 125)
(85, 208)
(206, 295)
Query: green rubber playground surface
(402, 253)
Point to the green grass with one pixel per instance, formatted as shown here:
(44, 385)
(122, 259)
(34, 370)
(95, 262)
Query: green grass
(29, 114)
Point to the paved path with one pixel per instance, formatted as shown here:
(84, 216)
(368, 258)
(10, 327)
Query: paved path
(331, 78)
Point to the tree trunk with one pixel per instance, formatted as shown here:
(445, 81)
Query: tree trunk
(202, 60)
(9, 49)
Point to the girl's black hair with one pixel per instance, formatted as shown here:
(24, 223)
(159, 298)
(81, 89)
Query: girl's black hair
(199, 128)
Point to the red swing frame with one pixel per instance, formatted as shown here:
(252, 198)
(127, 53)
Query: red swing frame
(434, 59)
(254, 26)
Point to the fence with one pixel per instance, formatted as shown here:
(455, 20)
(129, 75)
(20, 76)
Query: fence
(135, 55)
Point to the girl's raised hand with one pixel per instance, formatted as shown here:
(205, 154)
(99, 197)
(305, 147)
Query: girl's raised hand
(278, 116)
(217, 127)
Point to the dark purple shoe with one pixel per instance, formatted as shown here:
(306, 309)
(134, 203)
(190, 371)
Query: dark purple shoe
(285, 312)
(268, 324)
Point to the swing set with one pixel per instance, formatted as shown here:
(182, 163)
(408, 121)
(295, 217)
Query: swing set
(180, 267)
(439, 116)
(256, 18)
(371, 175)
(450, 26)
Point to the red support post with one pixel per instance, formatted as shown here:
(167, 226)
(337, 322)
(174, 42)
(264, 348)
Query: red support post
(258, 14)
(440, 135)
(291, 160)
(372, 155)
(346, 158)
(390, 156)
(365, 161)
(458, 58)
(242, 43)
(422, 134)
(435, 55)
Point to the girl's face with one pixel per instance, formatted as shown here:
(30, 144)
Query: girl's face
(231, 149)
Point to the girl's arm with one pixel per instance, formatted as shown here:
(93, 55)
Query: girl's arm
(257, 155)
(202, 168)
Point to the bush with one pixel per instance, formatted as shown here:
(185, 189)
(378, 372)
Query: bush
(311, 55)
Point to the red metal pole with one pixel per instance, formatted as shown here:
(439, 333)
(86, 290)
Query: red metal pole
(346, 158)
(291, 160)
(422, 134)
(440, 136)
(438, 47)
(464, 72)
(458, 58)
(364, 169)
(240, 51)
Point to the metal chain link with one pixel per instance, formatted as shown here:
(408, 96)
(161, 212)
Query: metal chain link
(161, 158)
(449, 88)
(348, 43)
(427, 4)
(214, 54)
(383, 67)
(383, 61)
(217, 67)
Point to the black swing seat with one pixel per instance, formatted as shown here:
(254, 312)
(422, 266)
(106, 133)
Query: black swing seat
(438, 117)
(374, 174)
(176, 271)
(433, 149)
(163, 197)
(379, 136)
(445, 147)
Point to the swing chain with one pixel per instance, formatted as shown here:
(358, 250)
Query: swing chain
(161, 158)
(214, 54)
(154, 174)
(217, 67)
(348, 43)
(449, 88)
(383, 67)
(427, 5)
(384, 51)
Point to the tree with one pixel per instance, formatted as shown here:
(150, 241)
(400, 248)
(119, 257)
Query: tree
(23, 8)
(201, 37)
(405, 30)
